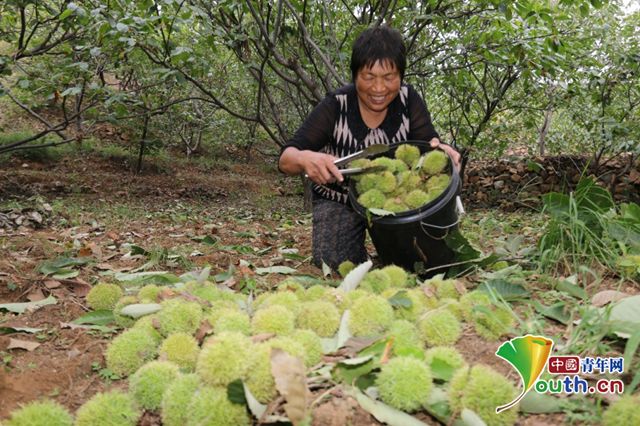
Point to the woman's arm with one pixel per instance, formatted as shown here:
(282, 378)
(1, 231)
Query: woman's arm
(300, 154)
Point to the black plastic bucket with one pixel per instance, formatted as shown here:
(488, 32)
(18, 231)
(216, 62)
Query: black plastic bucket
(415, 239)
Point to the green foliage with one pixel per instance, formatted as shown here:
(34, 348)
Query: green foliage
(41, 413)
(585, 227)
(108, 409)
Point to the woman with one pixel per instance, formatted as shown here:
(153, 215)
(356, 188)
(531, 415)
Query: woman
(377, 108)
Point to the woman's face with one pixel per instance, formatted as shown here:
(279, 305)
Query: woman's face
(377, 86)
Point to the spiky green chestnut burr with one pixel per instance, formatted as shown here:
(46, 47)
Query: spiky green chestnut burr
(409, 154)
(482, 389)
(224, 358)
(124, 321)
(398, 276)
(178, 315)
(150, 293)
(370, 315)
(147, 385)
(434, 162)
(104, 296)
(312, 346)
(372, 199)
(130, 350)
(273, 319)
(41, 413)
(405, 383)
(181, 349)
(232, 320)
(375, 281)
(439, 328)
(210, 406)
(345, 267)
(113, 408)
(319, 316)
(176, 399)
(623, 412)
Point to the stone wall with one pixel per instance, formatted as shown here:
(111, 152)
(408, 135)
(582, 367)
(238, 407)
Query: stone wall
(518, 182)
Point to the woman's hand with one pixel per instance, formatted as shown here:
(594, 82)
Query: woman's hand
(317, 166)
(455, 155)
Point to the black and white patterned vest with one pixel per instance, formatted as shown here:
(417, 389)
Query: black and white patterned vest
(346, 131)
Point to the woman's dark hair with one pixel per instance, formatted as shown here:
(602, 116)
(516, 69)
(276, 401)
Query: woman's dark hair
(382, 44)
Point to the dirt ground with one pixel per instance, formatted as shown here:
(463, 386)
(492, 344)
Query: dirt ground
(97, 209)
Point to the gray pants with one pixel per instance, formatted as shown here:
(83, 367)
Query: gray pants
(338, 234)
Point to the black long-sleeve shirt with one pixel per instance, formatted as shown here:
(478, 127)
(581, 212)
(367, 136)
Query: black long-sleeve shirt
(336, 127)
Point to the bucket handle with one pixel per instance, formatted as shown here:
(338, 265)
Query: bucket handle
(429, 225)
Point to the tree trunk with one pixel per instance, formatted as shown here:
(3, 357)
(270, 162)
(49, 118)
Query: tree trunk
(548, 114)
(143, 140)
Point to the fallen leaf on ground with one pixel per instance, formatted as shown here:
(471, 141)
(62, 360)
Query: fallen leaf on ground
(291, 381)
(22, 344)
(607, 296)
(51, 284)
(35, 296)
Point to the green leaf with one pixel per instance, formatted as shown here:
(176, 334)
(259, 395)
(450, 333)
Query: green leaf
(470, 418)
(138, 310)
(539, 403)
(64, 15)
(382, 412)
(10, 330)
(151, 277)
(442, 370)
(400, 300)
(557, 311)
(224, 276)
(20, 308)
(235, 392)
(284, 270)
(207, 239)
(508, 291)
(102, 317)
(625, 316)
(65, 274)
(568, 286)
(135, 250)
(59, 265)
(631, 348)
